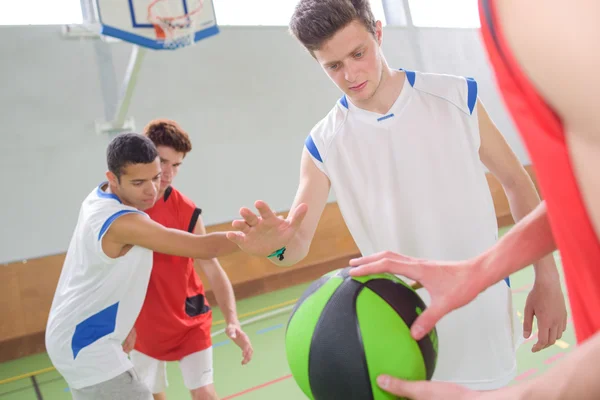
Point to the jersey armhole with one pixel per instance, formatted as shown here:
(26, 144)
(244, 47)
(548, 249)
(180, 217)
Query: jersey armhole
(194, 220)
(315, 155)
(105, 227)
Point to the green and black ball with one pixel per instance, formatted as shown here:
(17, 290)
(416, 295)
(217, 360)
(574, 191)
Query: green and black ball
(346, 331)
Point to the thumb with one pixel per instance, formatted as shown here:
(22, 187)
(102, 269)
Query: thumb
(298, 215)
(527, 320)
(231, 332)
(400, 388)
(426, 321)
(235, 237)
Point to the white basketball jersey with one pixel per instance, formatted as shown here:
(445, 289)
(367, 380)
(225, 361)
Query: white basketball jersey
(97, 299)
(411, 181)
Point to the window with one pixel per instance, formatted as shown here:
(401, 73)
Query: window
(40, 12)
(445, 13)
(267, 12)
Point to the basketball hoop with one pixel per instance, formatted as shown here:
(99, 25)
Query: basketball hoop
(175, 28)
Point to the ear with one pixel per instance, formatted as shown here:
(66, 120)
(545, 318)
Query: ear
(379, 32)
(112, 178)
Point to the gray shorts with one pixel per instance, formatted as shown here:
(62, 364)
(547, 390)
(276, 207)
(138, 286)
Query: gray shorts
(126, 386)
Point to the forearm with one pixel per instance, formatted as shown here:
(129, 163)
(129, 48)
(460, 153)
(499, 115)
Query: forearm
(523, 199)
(528, 241)
(575, 377)
(213, 245)
(222, 289)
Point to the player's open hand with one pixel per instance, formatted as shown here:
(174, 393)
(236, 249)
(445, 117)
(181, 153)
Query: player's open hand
(239, 337)
(546, 302)
(450, 284)
(262, 234)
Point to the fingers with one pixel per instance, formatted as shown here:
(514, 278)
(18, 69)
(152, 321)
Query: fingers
(355, 262)
(264, 210)
(383, 254)
(409, 270)
(240, 225)
(250, 218)
(542, 343)
(527, 320)
(553, 336)
(247, 355)
(415, 390)
(427, 320)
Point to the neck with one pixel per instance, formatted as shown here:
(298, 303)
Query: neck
(390, 87)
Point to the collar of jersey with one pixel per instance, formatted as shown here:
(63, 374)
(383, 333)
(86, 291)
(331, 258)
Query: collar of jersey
(103, 194)
(394, 112)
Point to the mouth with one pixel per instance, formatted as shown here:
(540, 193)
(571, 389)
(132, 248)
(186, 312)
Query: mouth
(359, 87)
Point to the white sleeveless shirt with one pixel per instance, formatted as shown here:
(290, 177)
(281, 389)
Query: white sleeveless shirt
(411, 181)
(97, 299)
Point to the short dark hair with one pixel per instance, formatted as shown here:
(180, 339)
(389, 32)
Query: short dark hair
(129, 148)
(166, 132)
(316, 21)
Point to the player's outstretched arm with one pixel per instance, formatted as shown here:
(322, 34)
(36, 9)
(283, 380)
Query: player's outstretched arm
(295, 232)
(453, 284)
(138, 230)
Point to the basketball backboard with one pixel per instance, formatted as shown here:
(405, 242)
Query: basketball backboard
(153, 24)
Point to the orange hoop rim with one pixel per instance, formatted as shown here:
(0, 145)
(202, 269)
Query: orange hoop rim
(152, 17)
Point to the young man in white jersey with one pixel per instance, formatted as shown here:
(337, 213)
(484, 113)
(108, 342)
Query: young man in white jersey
(106, 272)
(405, 153)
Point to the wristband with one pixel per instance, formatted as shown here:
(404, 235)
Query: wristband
(277, 253)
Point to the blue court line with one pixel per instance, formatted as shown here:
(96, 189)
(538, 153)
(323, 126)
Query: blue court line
(223, 343)
(269, 329)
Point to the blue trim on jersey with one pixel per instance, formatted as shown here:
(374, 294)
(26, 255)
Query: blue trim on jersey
(103, 194)
(344, 101)
(385, 117)
(472, 93)
(93, 328)
(111, 219)
(312, 148)
(411, 76)
(507, 280)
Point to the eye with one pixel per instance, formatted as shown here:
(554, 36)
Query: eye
(333, 67)
(359, 54)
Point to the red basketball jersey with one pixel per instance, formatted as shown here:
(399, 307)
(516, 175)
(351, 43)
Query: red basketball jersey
(176, 319)
(544, 137)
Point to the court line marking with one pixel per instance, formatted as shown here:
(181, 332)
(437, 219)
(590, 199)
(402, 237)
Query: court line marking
(526, 374)
(252, 389)
(554, 358)
(269, 329)
(38, 394)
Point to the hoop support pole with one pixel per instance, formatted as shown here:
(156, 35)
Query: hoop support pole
(129, 82)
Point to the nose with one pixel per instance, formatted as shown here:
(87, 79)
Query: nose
(166, 171)
(152, 189)
(350, 72)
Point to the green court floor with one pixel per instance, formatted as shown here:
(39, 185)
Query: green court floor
(267, 376)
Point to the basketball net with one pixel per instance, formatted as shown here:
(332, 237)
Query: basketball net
(171, 26)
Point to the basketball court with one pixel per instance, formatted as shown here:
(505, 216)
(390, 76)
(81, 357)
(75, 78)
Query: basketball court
(171, 26)
(268, 375)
